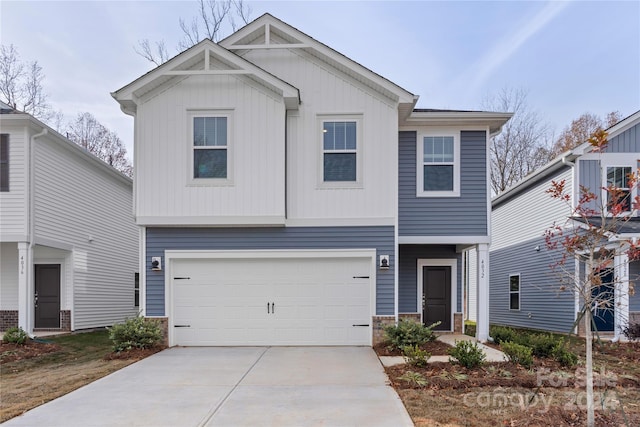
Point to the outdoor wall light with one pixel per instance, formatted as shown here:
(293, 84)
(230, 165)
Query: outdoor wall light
(156, 263)
(537, 248)
(384, 262)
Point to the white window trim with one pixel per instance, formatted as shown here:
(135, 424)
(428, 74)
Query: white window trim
(210, 182)
(445, 262)
(321, 119)
(604, 195)
(513, 292)
(420, 165)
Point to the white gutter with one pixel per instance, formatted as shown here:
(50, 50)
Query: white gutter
(31, 215)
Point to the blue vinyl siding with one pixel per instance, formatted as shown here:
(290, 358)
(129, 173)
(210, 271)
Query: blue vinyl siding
(542, 305)
(590, 178)
(161, 239)
(444, 216)
(634, 277)
(408, 273)
(626, 142)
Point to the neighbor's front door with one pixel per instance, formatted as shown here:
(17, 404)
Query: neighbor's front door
(436, 296)
(47, 296)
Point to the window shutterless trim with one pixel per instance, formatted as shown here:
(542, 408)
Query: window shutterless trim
(515, 292)
(192, 148)
(4, 162)
(358, 151)
(420, 164)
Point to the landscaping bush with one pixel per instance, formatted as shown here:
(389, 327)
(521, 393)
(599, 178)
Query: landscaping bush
(415, 356)
(632, 331)
(137, 332)
(15, 336)
(414, 378)
(409, 333)
(503, 333)
(542, 345)
(517, 353)
(564, 356)
(467, 354)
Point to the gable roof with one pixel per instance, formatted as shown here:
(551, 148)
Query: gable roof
(268, 32)
(204, 58)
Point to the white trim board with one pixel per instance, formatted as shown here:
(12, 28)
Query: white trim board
(445, 262)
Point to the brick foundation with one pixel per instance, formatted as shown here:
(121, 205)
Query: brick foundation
(379, 322)
(457, 323)
(65, 320)
(410, 316)
(634, 317)
(8, 319)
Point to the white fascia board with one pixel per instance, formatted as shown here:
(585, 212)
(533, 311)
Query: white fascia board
(339, 222)
(308, 42)
(211, 221)
(443, 240)
(495, 121)
(206, 47)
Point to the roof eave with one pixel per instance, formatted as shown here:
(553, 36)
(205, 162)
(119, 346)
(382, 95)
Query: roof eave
(494, 121)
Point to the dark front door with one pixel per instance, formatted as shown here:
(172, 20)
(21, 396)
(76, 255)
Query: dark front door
(47, 296)
(603, 308)
(436, 297)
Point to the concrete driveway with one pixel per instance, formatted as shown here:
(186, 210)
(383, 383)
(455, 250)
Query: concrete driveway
(234, 386)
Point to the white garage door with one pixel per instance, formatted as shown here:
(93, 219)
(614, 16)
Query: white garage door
(299, 301)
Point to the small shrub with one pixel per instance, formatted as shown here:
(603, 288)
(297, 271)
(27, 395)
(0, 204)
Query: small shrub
(467, 354)
(415, 356)
(541, 345)
(15, 336)
(502, 333)
(632, 331)
(564, 356)
(517, 353)
(409, 333)
(414, 378)
(136, 332)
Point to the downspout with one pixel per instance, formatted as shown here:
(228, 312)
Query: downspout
(576, 264)
(32, 223)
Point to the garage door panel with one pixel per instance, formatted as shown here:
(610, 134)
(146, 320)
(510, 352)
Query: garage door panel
(314, 301)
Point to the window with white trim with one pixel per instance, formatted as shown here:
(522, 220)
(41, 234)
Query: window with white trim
(339, 151)
(4, 162)
(514, 292)
(618, 178)
(438, 172)
(136, 289)
(210, 141)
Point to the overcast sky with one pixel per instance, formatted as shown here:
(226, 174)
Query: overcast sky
(572, 57)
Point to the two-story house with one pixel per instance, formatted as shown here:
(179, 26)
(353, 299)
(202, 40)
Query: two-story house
(290, 196)
(68, 241)
(525, 290)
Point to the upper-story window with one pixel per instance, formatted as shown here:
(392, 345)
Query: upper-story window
(438, 173)
(341, 161)
(4, 162)
(618, 177)
(210, 140)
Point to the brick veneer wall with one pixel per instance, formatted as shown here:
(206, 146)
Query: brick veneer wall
(410, 316)
(65, 320)
(8, 319)
(379, 322)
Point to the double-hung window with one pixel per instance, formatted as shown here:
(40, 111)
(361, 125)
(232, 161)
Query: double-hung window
(210, 144)
(514, 292)
(438, 166)
(4, 162)
(618, 179)
(340, 157)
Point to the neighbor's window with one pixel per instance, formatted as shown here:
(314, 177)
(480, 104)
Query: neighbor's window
(136, 290)
(4, 162)
(514, 292)
(618, 177)
(339, 151)
(210, 146)
(438, 166)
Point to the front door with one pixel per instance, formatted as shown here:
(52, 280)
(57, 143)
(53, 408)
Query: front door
(47, 296)
(436, 296)
(603, 308)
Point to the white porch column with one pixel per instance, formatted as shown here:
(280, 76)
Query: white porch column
(482, 296)
(621, 298)
(25, 296)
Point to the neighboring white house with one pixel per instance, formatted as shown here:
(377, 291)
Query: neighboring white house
(69, 245)
(290, 196)
(524, 289)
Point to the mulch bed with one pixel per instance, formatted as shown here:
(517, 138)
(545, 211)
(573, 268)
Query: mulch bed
(10, 352)
(134, 353)
(435, 348)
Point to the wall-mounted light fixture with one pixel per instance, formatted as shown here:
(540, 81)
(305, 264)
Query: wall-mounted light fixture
(156, 263)
(537, 248)
(384, 262)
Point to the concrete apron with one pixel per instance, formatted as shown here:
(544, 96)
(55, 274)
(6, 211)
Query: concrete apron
(234, 386)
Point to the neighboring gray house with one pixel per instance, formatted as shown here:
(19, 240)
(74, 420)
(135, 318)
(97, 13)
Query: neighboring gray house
(68, 242)
(524, 290)
(290, 196)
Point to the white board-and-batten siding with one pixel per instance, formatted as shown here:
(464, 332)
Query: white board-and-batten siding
(327, 93)
(86, 210)
(165, 190)
(526, 216)
(13, 203)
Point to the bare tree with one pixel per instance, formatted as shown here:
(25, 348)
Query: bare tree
(521, 147)
(90, 134)
(21, 84)
(207, 23)
(580, 129)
